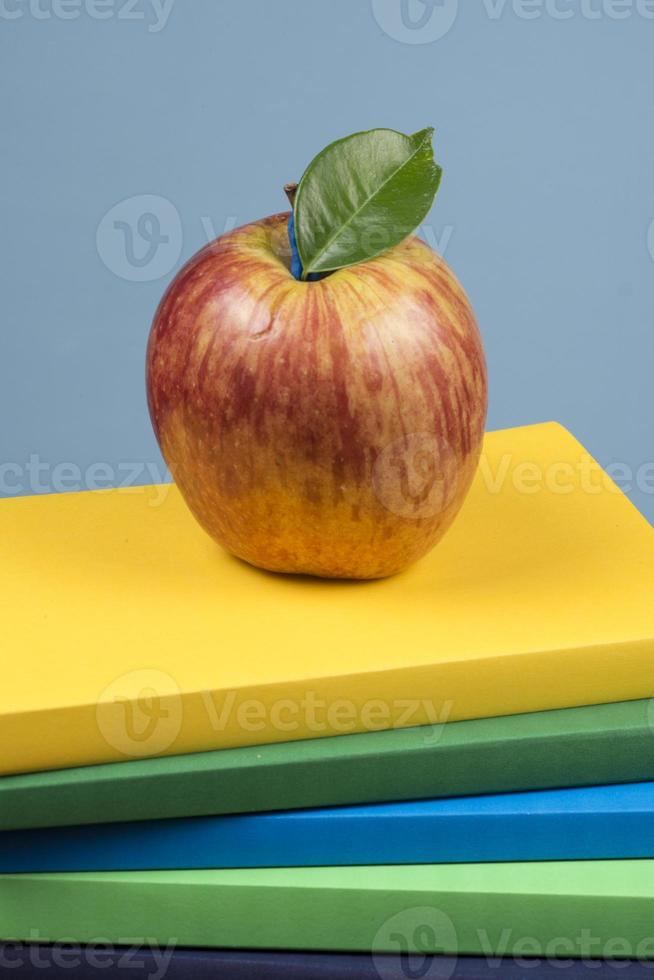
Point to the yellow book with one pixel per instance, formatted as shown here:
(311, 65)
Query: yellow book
(127, 632)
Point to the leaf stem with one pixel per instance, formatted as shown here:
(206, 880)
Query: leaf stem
(290, 190)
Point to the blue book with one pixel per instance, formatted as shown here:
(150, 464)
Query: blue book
(570, 824)
(102, 962)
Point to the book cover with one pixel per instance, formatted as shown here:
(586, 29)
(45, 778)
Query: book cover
(597, 822)
(129, 633)
(579, 909)
(130, 962)
(592, 745)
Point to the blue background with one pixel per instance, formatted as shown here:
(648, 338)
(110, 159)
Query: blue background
(544, 129)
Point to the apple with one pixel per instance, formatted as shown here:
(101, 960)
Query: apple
(329, 428)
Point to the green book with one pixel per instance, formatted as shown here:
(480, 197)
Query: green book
(607, 743)
(570, 909)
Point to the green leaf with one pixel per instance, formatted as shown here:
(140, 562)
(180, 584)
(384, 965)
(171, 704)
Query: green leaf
(361, 195)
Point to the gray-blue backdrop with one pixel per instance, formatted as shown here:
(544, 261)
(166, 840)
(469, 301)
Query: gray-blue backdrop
(133, 130)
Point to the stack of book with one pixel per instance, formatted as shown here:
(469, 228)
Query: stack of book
(213, 771)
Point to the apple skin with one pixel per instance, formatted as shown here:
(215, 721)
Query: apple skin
(330, 428)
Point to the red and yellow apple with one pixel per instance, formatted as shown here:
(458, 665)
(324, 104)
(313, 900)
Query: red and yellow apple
(331, 428)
